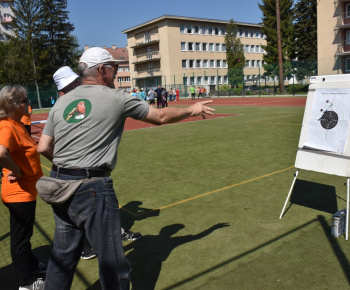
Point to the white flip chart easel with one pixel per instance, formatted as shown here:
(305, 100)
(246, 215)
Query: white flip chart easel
(324, 144)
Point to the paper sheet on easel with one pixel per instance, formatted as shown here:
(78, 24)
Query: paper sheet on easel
(329, 121)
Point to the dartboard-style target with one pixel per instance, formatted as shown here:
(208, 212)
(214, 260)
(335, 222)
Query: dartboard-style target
(329, 120)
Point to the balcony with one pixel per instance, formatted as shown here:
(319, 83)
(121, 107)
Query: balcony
(148, 73)
(147, 57)
(343, 48)
(343, 21)
(145, 41)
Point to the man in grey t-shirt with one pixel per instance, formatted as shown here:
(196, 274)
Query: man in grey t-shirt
(81, 138)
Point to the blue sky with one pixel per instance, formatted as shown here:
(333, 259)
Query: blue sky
(99, 23)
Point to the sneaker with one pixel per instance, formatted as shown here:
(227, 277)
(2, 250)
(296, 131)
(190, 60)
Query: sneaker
(131, 236)
(40, 269)
(38, 284)
(87, 255)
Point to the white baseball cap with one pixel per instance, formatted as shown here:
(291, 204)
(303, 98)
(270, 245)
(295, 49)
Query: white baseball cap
(64, 76)
(97, 55)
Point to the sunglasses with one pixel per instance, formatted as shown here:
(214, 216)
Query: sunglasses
(25, 101)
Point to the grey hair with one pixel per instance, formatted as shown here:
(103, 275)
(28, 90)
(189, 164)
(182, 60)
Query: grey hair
(86, 72)
(9, 100)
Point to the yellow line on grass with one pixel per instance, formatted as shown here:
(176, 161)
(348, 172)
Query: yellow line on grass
(217, 190)
(47, 168)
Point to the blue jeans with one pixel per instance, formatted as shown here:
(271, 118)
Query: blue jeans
(93, 210)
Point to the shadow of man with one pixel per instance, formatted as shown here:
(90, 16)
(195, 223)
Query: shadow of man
(148, 254)
(132, 212)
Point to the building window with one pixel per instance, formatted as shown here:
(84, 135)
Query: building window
(196, 29)
(205, 63)
(191, 63)
(347, 10)
(185, 79)
(211, 46)
(198, 46)
(225, 80)
(257, 48)
(218, 63)
(212, 80)
(347, 64)
(252, 48)
(216, 31)
(184, 63)
(253, 63)
(262, 50)
(223, 31)
(189, 29)
(126, 68)
(246, 48)
(220, 80)
(120, 68)
(190, 46)
(198, 63)
(206, 80)
(120, 80)
(223, 47)
(182, 29)
(247, 62)
(183, 46)
(348, 37)
(224, 63)
(212, 63)
(210, 30)
(258, 63)
(192, 81)
(199, 80)
(205, 46)
(147, 36)
(217, 46)
(127, 79)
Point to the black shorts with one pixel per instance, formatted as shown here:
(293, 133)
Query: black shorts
(151, 102)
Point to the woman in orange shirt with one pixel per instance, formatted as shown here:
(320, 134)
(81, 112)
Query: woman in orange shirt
(21, 168)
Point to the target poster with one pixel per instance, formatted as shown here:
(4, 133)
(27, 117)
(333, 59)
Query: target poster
(329, 120)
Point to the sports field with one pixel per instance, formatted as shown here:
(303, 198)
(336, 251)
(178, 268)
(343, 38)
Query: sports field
(206, 194)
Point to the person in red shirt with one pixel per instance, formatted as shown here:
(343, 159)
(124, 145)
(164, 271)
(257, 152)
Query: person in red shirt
(21, 168)
(177, 95)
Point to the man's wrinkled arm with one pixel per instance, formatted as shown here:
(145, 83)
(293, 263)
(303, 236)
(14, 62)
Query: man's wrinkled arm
(46, 146)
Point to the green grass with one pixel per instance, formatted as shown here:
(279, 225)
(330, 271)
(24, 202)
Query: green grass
(236, 171)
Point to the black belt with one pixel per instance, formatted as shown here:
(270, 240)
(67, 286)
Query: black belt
(84, 172)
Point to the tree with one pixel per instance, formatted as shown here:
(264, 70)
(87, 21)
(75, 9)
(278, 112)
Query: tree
(26, 27)
(59, 45)
(234, 54)
(305, 36)
(268, 8)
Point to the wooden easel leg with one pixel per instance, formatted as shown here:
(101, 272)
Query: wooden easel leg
(290, 191)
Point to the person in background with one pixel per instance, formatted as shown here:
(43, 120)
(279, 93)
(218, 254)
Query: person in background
(170, 93)
(26, 120)
(177, 95)
(159, 92)
(174, 94)
(21, 166)
(165, 97)
(94, 209)
(151, 96)
(143, 94)
(66, 80)
(193, 94)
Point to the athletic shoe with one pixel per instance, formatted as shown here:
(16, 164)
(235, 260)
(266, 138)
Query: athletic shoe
(40, 269)
(38, 284)
(87, 255)
(131, 236)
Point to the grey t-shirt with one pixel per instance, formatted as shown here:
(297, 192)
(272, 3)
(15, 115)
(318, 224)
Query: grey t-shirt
(87, 125)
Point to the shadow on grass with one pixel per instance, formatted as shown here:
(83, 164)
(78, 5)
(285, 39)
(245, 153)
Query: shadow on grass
(132, 212)
(314, 195)
(148, 254)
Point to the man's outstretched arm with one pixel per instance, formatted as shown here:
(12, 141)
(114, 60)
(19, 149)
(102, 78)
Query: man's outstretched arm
(172, 114)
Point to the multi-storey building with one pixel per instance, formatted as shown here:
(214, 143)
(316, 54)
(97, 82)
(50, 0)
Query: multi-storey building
(182, 51)
(333, 37)
(5, 18)
(122, 80)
